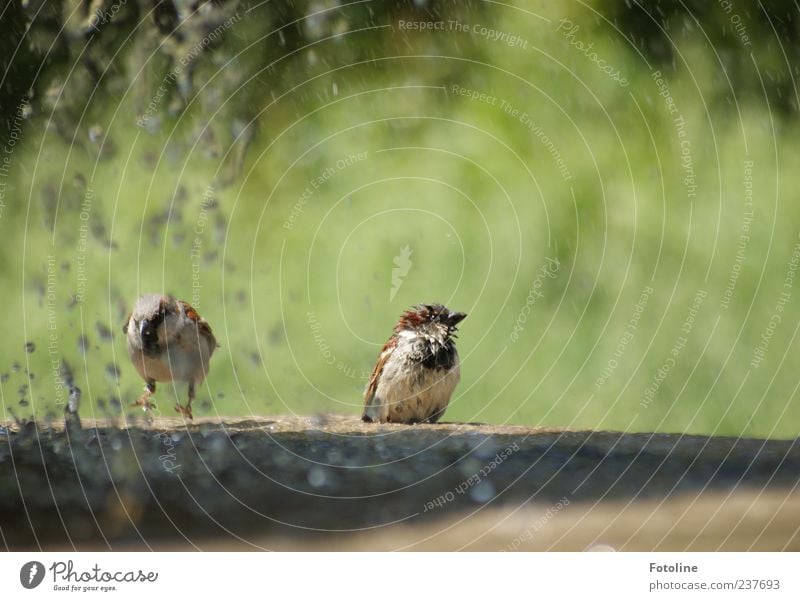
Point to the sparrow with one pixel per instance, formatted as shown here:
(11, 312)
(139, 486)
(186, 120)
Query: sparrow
(417, 369)
(168, 341)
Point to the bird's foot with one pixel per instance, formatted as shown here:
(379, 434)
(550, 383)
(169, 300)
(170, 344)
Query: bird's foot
(184, 411)
(144, 402)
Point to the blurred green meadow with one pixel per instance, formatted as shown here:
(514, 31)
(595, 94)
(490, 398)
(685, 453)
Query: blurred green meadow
(612, 199)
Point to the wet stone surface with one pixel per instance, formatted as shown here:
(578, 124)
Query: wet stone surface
(305, 477)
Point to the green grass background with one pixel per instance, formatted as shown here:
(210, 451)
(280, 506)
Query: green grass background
(301, 313)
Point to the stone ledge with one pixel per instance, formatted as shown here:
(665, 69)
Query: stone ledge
(309, 481)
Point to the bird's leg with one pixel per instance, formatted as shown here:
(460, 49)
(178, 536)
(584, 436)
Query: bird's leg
(144, 400)
(187, 411)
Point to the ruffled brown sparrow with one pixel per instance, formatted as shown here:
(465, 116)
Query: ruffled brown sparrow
(417, 369)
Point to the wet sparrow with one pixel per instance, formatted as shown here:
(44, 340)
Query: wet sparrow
(417, 369)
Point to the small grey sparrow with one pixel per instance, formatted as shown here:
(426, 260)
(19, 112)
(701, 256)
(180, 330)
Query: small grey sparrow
(168, 341)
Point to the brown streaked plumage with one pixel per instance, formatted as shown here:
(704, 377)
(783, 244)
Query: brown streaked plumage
(417, 369)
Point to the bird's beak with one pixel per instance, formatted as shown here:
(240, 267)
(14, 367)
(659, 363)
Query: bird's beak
(455, 318)
(147, 330)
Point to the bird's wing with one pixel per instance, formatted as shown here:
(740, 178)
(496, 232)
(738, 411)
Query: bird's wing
(202, 324)
(372, 406)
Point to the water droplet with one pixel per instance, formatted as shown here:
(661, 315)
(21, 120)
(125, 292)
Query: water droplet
(483, 492)
(103, 330)
(95, 133)
(74, 399)
(112, 371)
(317, 477)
